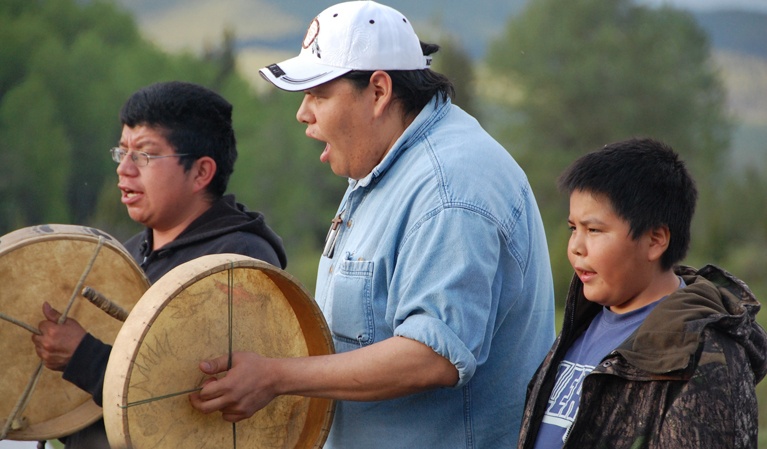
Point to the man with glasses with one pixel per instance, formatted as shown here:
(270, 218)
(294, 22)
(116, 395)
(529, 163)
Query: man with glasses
(175, 156)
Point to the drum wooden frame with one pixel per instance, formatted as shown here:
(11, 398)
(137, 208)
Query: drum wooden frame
(208, 307)
(46, 263)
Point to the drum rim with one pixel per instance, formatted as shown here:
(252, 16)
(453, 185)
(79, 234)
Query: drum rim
(147, 310)
(86, 413)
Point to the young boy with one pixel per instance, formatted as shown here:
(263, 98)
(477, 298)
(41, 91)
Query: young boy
(651, 355)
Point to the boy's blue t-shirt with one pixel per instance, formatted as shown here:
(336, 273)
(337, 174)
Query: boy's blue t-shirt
(605, 333)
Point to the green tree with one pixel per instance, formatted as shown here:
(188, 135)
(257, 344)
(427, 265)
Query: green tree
(455, 63)
(590, 72)
(83, 59)
(64, 52)
(36, 157)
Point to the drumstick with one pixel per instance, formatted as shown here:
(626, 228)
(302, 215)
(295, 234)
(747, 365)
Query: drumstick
(103, 303)
(93, 296)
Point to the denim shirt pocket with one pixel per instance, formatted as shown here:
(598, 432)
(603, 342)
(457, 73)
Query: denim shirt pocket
(352, 309)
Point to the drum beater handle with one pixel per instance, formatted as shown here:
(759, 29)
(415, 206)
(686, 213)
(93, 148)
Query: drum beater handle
(103, 303)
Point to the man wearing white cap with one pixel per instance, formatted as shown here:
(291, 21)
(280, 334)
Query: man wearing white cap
(435, 278)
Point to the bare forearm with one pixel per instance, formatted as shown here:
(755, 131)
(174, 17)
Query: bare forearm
(388, 369)
(385, 370)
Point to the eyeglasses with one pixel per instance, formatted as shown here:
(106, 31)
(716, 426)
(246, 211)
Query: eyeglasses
(139, 158)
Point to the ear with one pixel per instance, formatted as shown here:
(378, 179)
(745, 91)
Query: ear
(381, 85)
(659, 239)
(203, 171)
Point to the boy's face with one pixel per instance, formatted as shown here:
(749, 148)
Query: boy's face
(616, 270)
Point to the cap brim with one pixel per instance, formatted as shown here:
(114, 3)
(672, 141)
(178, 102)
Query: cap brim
(299, 73)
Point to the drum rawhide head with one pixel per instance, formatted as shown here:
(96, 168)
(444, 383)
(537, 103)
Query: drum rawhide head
(46, 263)
(205, 308)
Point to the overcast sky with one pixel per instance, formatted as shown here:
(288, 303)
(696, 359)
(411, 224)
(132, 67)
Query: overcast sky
(751, 5)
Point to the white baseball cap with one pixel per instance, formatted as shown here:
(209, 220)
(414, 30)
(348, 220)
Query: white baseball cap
(355, 35)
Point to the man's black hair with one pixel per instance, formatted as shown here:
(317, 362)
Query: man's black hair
(195, 121)
(412, 88)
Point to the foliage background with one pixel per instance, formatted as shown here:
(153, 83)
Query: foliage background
(554, 83)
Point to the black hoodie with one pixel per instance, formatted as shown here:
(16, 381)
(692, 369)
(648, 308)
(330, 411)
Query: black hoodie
(227, 227)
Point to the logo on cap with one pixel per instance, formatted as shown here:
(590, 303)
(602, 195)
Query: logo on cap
(311, 33)
(276, 70)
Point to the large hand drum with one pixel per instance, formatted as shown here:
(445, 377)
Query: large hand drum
(205, 308)
(52, 263)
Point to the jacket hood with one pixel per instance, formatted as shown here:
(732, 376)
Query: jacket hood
(224, 216)
(713, 298)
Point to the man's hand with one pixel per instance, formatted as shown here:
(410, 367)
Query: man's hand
(58, 341)
(241, 392)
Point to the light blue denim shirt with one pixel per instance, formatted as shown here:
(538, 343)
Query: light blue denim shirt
(442, 243)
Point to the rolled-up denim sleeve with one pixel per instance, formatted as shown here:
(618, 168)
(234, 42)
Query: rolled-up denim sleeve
(446, 288)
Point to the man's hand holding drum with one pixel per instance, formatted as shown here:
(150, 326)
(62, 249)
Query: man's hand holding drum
(57, 342)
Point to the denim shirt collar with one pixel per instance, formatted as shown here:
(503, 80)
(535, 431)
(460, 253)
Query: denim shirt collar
(434, 110)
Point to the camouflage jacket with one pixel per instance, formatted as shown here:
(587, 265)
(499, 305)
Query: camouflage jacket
(684, 379)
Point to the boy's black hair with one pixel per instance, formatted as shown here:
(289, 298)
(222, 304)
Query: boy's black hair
(413, 88)
(647, 184)
(195, 120)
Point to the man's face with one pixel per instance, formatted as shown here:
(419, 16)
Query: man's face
(156, 194)
(343, 117)
(615, 268)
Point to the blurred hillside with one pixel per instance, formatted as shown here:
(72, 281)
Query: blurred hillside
(280, 25)
(268, 30)
(739, 31)
(739, 41)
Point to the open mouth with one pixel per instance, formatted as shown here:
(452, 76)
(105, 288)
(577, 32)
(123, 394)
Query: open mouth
(129, 195)
(325, 153)
(585, 275)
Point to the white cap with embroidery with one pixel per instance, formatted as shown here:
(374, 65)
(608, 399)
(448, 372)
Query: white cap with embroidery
(355, 35)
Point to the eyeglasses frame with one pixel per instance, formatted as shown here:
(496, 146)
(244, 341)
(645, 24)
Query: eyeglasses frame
(118, 154)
